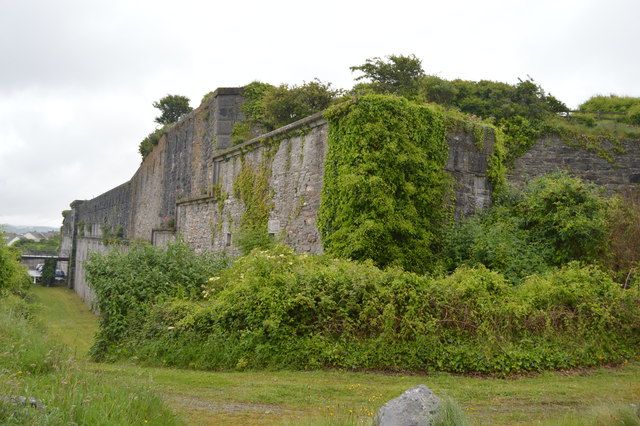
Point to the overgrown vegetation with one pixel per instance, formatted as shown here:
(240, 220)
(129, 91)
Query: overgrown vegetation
(555, 220)
(543, 304)
(275, 309)
(267, 107)
(384, 183)
(13, 276)
(252, 188)
(171, 107)
(49, 272)
(128, 283)
(524, 112)
(623, 108)
(148, 143)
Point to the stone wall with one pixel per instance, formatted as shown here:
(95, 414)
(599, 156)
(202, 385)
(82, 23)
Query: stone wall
(187, 183)
(550, 154)
(84, 247)
(295, 166)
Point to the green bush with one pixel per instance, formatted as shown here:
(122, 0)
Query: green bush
(13, 276)
(633, 114)
(152, 139)
(611, 103)
(496, 240)
(275, 309)
(127, 282)
(268, 107)
(554, 220)
(49, 272)
(568, 214)
(385, 191)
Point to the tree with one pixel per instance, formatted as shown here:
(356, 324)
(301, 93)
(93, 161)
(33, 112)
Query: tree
(399, 75)
(172, 108)
(49, 272)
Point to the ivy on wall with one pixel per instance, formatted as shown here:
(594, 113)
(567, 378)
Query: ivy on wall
(386, 193)
(252, 188)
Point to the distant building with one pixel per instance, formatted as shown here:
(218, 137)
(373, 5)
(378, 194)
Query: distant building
(13, 241)
(33, 236)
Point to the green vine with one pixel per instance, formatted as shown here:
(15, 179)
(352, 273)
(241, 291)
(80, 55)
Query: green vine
(385, 189)
(252, 188)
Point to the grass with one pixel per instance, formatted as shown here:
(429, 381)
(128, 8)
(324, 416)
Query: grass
(593, 397)
(36, 364)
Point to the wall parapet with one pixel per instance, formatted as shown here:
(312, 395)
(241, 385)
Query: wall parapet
(310, 122)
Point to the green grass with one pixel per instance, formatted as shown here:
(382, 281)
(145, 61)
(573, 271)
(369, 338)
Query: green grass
(71, 323)
(585, 397)
(36, 363)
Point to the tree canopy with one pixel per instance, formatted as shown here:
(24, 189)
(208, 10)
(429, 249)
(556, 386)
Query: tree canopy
(172, 107)
(399, 75)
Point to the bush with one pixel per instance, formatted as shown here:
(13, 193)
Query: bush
(275, 309)
(623, 255)
(496, 240)
(49, 272)
(385, 191)
(611, 103)
(152, 139)
(568, 214)
(13, 276)
(268, 107)
(554, 220)
(633, 114)
(126, 283)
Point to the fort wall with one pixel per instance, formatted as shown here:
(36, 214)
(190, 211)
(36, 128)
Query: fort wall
(185, 186)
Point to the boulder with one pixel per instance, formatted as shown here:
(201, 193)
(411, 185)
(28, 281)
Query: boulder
(418, 406)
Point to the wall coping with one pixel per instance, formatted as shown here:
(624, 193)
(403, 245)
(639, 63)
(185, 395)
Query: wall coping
(312, 121)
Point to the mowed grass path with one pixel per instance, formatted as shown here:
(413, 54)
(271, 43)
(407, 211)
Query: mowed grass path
(338, 397)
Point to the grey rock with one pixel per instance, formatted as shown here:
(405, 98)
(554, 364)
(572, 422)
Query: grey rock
(23, 400)
(418, 406)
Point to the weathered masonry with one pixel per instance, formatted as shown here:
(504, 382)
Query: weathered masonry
(185, 186)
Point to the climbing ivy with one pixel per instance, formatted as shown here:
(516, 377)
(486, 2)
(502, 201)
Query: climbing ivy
(386, 194)
(252, 188)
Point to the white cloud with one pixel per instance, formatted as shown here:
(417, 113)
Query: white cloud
(78, 76)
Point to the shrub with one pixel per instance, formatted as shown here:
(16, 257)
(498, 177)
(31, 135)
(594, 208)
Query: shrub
(13, 276)
(268, 107)
(127, 282)
(397, 75)
(275, 309)
(633, 114)
(385, 191)
(496, 240)
(611, 103)
(148, 143)
(49, 272)
(623, 255)
(567, 213)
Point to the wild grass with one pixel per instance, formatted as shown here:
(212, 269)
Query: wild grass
(35, 365)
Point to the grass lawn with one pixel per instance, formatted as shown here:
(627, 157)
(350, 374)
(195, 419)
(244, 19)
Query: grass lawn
(339, 397)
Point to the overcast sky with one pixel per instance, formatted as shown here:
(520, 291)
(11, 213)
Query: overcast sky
(78, 78)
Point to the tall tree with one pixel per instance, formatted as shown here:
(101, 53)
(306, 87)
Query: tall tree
(172, 108)
(397, 74)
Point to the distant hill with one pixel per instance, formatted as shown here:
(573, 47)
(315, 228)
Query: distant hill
(22, 229)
